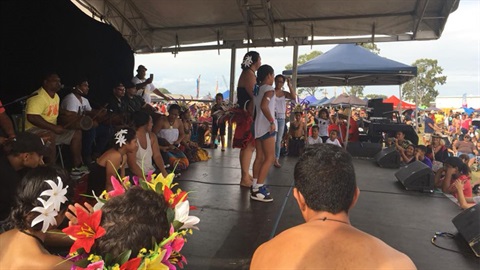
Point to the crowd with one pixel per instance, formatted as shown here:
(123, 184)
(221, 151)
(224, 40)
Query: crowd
(131, 145)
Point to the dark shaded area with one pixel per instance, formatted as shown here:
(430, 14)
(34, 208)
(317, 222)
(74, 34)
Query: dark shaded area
(54, 35)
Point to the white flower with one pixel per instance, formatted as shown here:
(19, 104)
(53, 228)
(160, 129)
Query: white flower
(120, 133)
(181, 214)
(47, 215)
(99, 203)
(121, 141)
(57, 193)
(247, 62)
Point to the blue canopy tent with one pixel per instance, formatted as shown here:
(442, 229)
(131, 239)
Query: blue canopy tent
(308, 100)
(318, 102)
(350, 64)
(226, 94)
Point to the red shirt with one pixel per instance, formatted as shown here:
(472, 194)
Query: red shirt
(467, 187)
(353, 133)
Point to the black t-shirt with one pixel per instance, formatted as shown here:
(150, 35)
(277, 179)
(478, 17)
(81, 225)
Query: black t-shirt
(9, 182)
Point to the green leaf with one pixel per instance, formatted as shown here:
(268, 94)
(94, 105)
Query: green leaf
(123, 257)
(83, 263)
(177, 225)
(170, 215)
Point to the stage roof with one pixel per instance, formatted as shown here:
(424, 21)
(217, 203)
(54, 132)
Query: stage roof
(187, 25)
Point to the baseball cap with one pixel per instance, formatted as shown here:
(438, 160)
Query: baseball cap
(27, 142)
(141, 67)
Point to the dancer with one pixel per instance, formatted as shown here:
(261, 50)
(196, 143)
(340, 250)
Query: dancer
(280, 111)
(265, 131)
(243, 136)
(40, 206)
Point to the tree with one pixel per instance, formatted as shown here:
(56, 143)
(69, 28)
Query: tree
(164, 91)
(302, 59)
(428, 77)
(372, 96)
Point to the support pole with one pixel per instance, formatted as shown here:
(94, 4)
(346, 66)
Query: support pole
(232, 91)
(416, 105)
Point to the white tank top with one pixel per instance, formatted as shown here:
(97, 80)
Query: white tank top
(280, 107)
(170, 134)
(144, 156)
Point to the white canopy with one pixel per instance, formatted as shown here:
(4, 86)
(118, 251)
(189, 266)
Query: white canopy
(181, 25)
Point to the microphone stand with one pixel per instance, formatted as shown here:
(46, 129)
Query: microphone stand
(23, 102)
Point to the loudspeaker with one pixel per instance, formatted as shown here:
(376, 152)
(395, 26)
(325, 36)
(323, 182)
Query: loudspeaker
(363, 149)
(388, 158)
(468, 225)
(416, 176)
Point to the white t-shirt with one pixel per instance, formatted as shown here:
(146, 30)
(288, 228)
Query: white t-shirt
(336, 142)
(323, 127)
(71, 103)
(280, 107)
(262, 125)
(146, 92)
(311, 140)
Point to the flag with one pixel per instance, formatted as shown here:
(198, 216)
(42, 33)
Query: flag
(198, 86)
(464, 101)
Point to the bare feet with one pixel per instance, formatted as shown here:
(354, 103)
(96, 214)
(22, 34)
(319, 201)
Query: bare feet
(277, 165)
(246, 183)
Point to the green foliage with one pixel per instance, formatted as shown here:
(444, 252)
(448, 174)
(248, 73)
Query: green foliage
(302, 59)
(372, 96)
(429, 76)
(164, 91)
(356, 90)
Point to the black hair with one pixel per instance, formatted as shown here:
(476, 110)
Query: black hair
(325, 176)
(254, 57)
(80, 80)
(219, 95)
(322, 110)
(140, 118)
(262, 73)
(315, 127)
(280, 76)
(28, 192)
(422, 148)
(134, 220)
(175, 107)
(128, 137)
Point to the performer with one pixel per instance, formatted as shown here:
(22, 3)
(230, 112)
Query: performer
(6, 126)
(296, 142)
(42, 113)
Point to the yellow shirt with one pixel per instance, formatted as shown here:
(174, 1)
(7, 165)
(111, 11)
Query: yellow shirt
(439, 118)
(43, 105)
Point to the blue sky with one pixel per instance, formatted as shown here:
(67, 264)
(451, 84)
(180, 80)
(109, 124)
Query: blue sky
(457, 52)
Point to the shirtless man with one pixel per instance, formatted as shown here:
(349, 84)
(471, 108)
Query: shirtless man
(296, 132)
(325, 190)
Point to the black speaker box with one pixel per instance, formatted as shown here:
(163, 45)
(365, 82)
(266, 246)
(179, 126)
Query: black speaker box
(416, 176)
(388, 158)
(468, 225)
(364, 149)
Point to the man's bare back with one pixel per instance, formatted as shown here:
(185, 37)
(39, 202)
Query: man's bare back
(328, 244)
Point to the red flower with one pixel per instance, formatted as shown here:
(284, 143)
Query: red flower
(86, 230)
(132, 264)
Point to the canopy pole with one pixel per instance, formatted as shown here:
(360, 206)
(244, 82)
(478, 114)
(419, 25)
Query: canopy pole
(295, 65)
(348, 127)
(232, 90)
(400, 103)
(416, 106)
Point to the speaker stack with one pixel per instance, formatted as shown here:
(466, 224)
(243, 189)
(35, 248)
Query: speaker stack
(388, 158)
(416, 176)
(468, 225)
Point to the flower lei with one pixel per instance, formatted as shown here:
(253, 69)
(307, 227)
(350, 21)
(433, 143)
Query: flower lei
(164, 255)
(50, 207)
(120, 137)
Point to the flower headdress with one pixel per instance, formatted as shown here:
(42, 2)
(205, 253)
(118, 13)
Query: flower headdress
(50, 207)
(247, 61)
(120, 138)
(298, 109)
(164, 254)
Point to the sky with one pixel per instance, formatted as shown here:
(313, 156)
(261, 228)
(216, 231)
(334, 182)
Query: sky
(457, 52)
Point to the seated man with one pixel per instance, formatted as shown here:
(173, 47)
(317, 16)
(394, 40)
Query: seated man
(325, 190)
(134, 102)
(42, 112)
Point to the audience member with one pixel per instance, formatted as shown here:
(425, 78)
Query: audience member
(25, 152)
(314, 139)
(430, 127)
(400, 142)
(454, 170)
(134, 102)
(466, 146)
(323, 123)
(325, 190)
(465, 202)
(243, 137)
(420, 151)
(42, 113)
(437, 151)
(280, 111)
(190, 148)
(265, 132)
(40, 206)
(407, 156)
(332, 139)
(140, 162)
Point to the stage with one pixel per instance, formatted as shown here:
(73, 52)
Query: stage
(232, 226)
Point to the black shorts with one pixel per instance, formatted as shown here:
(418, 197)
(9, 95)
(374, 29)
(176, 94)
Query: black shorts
(216, 128)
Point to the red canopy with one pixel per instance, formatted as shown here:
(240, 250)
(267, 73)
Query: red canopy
(393, 99)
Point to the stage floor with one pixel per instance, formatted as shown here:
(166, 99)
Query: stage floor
(232, 226)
